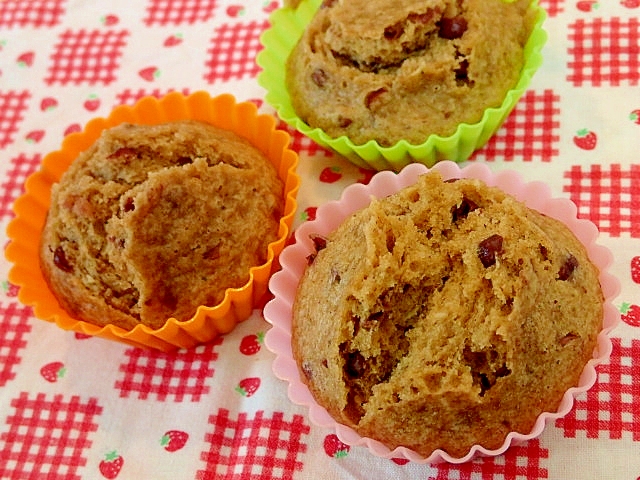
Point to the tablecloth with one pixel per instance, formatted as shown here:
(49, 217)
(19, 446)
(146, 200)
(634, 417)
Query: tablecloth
(74, 407)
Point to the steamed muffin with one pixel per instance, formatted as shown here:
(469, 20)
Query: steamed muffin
(154, 220)
(404, 70)
(444, 316)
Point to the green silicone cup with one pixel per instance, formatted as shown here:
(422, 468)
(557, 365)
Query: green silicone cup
(287, 26)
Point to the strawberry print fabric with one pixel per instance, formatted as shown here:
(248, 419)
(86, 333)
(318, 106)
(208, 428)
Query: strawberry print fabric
(74, 407)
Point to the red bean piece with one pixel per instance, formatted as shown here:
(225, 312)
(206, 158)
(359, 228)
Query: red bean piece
(488, 249)
(567, 268)
(60, 260)
(373, 96)
(319, 77)
(452, 28)
(355, 366)
(463, 210)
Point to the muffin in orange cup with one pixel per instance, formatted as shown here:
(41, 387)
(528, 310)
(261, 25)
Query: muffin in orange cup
(162, 241)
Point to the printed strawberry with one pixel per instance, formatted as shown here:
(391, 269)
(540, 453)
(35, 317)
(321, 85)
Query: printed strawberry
(248, 386)
(630, 314)
(109, 20)
(330, 174)
(333, 447)
(173, 40)
(366, 175)
(400, 461)
(149, 73)
(73, 128)
(81, 336)
(34, 136)
(92, 103)
(635, 269)
(48, 103)
(634, 116)
(269, 6)
(235, 10)
(250, 344)
(111, 465)
(630, 3)
(309, 213)
(26, 59)
(10, 289)
(53, 371)
(174, 440)
(257, 101)
(585, 139)
(587, 5)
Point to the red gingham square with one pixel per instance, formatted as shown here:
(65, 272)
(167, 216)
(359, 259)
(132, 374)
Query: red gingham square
(233, 51)
(258, 448)
(12, 107)
(530, 132)
(129, 97)
(14, 326)
(13, 186)
(612, 406)
(177, 12)
(32, 13)
(607, 195)
(553, 7)
(47, 437)
(181, 374)
(604, 52)
(521, 462)
(86, 56)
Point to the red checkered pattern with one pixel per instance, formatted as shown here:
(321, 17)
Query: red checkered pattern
(233, 51)
(553, 7)
(518, 463)
(47, 437)
(129, 97)
(607, 195)
(529, 133)
(180, 374)
(256, 448)
(612, 406)
(14, 326)
(30, 13)
(12, 107)
(177, 12)
(86, 56)
(13, 186)
(303, 144)
(604, 52)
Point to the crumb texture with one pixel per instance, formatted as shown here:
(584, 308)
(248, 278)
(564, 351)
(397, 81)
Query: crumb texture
(152, 221)
(444, 316)
(406, 69)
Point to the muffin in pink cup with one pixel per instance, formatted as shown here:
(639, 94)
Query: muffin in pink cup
(437, 315)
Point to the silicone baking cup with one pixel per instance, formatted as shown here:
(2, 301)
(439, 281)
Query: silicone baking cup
(208, 321)
(283, 285)
(287, 26)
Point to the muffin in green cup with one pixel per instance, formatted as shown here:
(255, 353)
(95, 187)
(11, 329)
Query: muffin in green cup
(418, 81)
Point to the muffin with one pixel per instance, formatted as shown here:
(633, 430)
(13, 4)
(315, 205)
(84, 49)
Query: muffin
(152, 221)
(392, 71)
(445, 316)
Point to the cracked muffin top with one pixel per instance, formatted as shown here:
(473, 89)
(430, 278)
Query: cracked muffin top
(444, 316)
(393, 70)
(154, 220)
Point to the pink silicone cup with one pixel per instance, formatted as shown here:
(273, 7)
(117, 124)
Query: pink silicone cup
(283, 285)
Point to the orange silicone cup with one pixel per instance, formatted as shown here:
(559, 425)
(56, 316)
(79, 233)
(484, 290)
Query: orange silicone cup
(31, 208)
